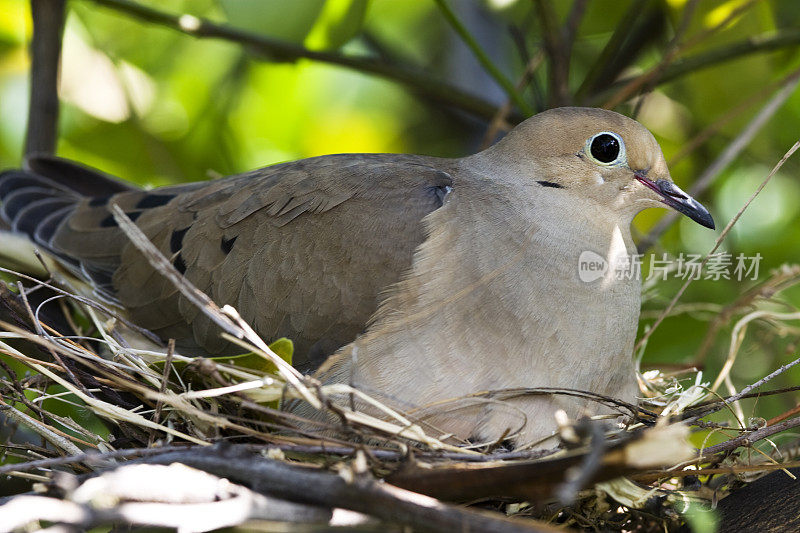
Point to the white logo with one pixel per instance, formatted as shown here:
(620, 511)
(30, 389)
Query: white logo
(591, 266)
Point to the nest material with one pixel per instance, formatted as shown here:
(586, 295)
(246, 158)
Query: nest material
(161, 407)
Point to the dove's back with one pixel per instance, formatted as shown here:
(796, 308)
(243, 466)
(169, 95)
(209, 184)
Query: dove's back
(301, 249)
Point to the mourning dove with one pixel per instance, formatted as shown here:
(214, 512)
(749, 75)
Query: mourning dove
(446, 276)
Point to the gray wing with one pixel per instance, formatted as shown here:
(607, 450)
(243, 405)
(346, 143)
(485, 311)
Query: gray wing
(302, 250)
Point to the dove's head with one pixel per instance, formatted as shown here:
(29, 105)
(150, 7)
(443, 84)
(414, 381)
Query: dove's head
(600, 155)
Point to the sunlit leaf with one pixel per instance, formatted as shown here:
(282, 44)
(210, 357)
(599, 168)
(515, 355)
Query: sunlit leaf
(339, 21)
(290, 20)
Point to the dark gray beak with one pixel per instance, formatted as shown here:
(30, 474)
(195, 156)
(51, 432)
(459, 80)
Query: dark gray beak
(673, 196)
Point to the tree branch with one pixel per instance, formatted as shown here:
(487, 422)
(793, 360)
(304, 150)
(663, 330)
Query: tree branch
(48, 26)
(356, 491)
(483, 59)
(678, 69)
(558, 43)
(635, 31)
(748, 439)
(277, 50)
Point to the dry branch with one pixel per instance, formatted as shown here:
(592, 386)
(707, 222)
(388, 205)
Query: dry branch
(276, 50)
(48, 25)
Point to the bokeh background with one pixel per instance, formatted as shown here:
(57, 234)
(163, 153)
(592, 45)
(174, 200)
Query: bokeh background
(154, 106)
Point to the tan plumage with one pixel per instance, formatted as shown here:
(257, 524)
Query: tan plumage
(471, 263)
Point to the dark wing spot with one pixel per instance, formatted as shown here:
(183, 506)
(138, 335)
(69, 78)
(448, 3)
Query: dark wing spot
(100, 200)
(550, 184)
(108, 222)
(179, 264)
(154, 200)
(176, 239)
(227, 244)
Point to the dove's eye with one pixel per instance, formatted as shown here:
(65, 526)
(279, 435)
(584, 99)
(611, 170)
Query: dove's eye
(606, 148)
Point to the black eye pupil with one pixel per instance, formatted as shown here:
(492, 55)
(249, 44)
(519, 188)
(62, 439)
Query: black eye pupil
(605, 148)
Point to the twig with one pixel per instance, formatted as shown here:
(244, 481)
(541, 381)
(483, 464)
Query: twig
(53, 436)
(499, 121)
(601, 72)
(744, 393)
(783, 416)
(88, 302)
(274, 49)
(483, 59)
(652, 477)
(163, 389)
(40, 331)
(579, 476)
(751, 45)
(730, 114)
(780, 280)
(48, 25)
(558, 45)
(570, 30)
(652, 77)
(672, 49)
(730, 153)
(737, 335)
(91, 457)
(722, 236)
(226, 320)
(750, 438)
(358, 493)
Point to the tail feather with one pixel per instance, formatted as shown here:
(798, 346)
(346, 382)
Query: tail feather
(42, 199)
(76, 178)
(29, 217)
(46, 229)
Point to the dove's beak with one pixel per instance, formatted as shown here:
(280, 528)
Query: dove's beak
(673, 196)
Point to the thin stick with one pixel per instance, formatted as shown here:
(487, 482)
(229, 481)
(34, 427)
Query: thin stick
(91, 457)
(224, 319)
(482, 58)
(722, 236)
(499, 121)
(271, 49)
(749, 439)
(163, 388)
(737, 336)
(731, 152)
(55, 437)
(737, 469)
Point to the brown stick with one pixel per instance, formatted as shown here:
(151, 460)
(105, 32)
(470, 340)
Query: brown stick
(48, 26)
(361, 493)
(273, 49)
(749, 439)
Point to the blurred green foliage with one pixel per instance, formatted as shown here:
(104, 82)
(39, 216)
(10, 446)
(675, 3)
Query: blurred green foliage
(156, 106)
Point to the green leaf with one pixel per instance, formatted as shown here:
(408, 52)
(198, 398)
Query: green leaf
(339, 22)
(701, 519)
(283, 348)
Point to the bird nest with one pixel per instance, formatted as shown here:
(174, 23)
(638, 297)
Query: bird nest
(112, 432)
